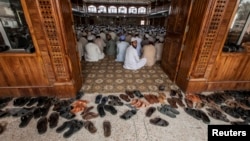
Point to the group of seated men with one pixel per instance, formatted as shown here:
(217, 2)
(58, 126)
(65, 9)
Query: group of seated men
(136, 47)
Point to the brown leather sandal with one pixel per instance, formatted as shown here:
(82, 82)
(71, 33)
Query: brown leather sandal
(107, 128)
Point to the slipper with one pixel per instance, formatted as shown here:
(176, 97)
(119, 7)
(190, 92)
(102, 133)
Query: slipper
(53, 119)
(107, 128)
(150, 111)
(89, 115)
(114, 98)
(128, 114)
(138, 93)
(124, 97)
(104, 100)
(173, 110)
(90, 127)
(159, 122)
(110, 109)
(115, 103)
(26, 119)
(129, 93)
(4, 113)
(21, 101)
(2, 127)
(88, 109)
(230, 111)
(189, 103)
(98, 99)
(32, 101)
(18, 112)
(100, 109)
(216, 114)
(203, 116)
(172, 102)
(193, 113)
(65, 125)
(42, 125)
(74, 127)
(166, 111)
(178, 101)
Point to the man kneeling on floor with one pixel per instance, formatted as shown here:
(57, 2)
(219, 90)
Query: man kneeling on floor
(132, 60)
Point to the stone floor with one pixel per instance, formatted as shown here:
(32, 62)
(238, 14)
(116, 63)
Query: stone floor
(138, 128)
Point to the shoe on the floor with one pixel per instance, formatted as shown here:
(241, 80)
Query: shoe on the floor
(42, 125)
(75, 126)
(150, 111)
(159, 122)
(107, 128)
(25, 119)
(128, 114)
(53, 119)
(110, 109)
(100, 109)
(90, 127)
(98, 99)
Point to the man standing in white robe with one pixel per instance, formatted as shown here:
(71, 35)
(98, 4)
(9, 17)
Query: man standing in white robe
(132, 60)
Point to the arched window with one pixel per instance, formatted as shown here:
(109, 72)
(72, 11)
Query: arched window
(112, 9)
(142, 10)
(122, 10)
(102, 9)
(132, 10)
(91, 9)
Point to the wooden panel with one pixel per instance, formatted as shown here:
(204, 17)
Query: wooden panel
(232, 67)
(171, 51)
(209, 36)
(69, 39)
(21, 71)
(198, 14)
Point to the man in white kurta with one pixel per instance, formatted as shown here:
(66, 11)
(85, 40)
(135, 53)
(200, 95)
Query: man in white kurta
(122, 45)
(92, 51)
(132, 60)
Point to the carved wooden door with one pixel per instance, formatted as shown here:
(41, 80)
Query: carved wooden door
(176, 27)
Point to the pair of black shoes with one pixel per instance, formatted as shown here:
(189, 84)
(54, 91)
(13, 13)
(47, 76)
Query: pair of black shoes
(108, 108)
(73, 125)
(43, 122)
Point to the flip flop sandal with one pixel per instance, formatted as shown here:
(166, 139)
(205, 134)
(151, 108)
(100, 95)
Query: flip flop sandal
(137, 93)
(64, 126)
(98, 99)
(4, 113)
(114, 98)
(230, 111)
(42, 125)
(125, 97)
(19, 112)
(217, 114)
(26, 119)
(90, 127)
(172, 102)
(115, 103)
(67, 114)
(75, 126)
(159, 122)
(32, 101)
(89, 115)
(53, 119)
(129, 93)
(173, 110)
(166, 111)
(107, 128)
(193, 113)
(203, 116)
(3, 125)
(128, 114)
(189, 103)
(104, 100)
(179, 102)
(110, 109)
(5, 100)
(100, 109)
(88, 109)
(150, 111)
(21, 101)
(131, 107)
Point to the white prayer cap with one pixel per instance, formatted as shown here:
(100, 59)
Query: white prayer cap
(151, 39)
(146, 35)
(90, 37)
(133, 39)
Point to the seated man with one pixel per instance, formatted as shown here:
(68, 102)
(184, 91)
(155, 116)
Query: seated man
(132, 60)
(122, 45)
(149, 52)
(92, 51)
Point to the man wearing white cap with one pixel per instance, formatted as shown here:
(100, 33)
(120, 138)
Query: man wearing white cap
(92, 51)
(122, 45)
(132, 60)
